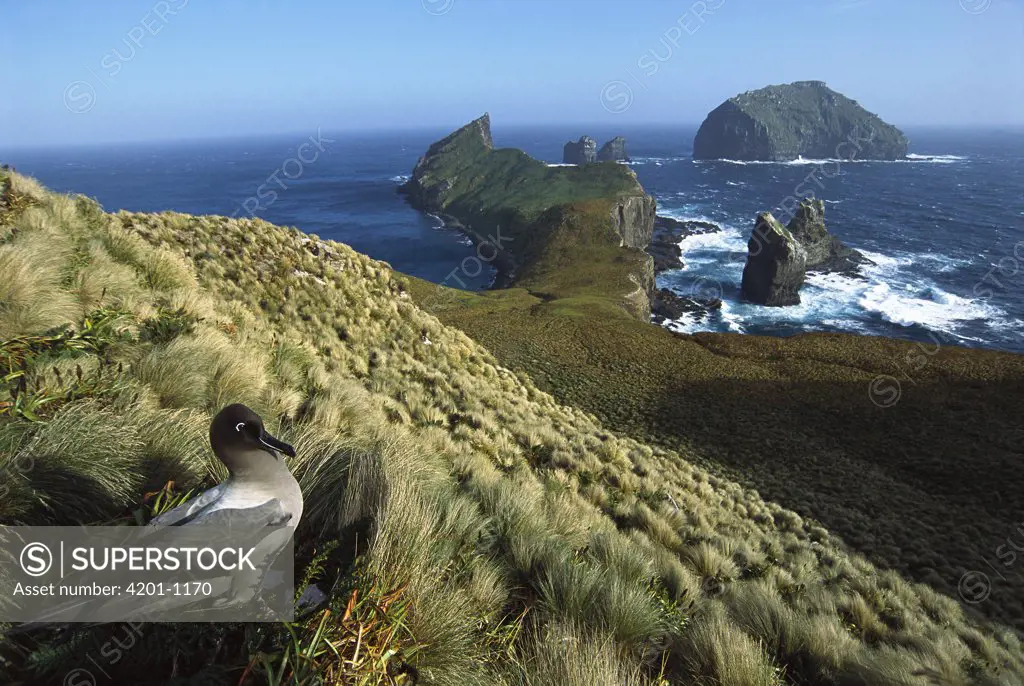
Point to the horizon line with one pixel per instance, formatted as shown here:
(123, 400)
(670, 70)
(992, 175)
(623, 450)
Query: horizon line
(989, 128)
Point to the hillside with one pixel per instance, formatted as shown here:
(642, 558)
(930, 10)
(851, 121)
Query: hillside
(471, 529)
(801, 119)
(573, 235)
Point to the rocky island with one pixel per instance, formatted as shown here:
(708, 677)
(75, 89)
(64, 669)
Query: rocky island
(778, 256)
(584, 151)
(576, 235)
(613, 151)
(801, 119)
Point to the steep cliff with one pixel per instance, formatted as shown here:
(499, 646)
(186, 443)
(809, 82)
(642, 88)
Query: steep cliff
(633, 220)
(802, 119)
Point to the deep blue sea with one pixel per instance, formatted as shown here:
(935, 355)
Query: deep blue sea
(945, 229)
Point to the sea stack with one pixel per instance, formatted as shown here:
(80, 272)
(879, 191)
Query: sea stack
(802, 119)
(613, 151)
(778, 256)
(583, 151)
(825, 252)
(776, 264)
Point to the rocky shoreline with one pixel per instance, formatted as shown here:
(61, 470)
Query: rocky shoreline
(668, 305)
(668, 233)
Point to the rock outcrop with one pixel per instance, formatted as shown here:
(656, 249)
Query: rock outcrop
(668, 233)
(802, 119)
(669, 306)
(583, 151)
(825, 252)
(633, 219)
(776, 264)
(778, 256)
(613, 151)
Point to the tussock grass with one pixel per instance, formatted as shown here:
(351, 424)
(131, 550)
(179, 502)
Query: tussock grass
(498, 525)
(715, 651)
(31, 297)
(594, 659)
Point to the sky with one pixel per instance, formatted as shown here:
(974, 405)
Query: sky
(136, 70)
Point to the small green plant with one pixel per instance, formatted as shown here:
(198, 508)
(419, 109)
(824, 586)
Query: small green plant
(25, 392)
(167, 325)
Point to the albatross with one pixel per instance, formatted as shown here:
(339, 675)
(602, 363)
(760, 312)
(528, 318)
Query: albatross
(259, 490)
(260, 495)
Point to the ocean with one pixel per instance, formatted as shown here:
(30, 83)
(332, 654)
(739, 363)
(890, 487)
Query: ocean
(944, 228)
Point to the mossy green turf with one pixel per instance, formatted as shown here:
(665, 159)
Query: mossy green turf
(499, 537)
(930, 486)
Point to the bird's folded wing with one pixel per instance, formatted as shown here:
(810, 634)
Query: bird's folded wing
(203, 500)
(270, 513)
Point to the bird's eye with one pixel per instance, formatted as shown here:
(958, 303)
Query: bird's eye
(239, 426)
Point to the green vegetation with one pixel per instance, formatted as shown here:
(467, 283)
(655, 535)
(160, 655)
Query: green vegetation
(469, 528)
(557, 228)
(928, 487)
(805, 118)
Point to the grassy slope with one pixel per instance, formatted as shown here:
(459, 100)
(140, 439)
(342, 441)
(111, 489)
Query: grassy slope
(928, 487)
(497, 526)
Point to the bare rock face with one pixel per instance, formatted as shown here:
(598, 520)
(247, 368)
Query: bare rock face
(583, 151)
(613, 151)
(825, 252)
(668, 234)
(633, 219)
(776, 264)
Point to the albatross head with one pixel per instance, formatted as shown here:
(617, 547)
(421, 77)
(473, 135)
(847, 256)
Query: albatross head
(240, 441)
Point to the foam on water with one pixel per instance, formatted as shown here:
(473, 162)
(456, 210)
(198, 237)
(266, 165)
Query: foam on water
(801, 161)
(657, 161)
(930, 307)
(885, 290)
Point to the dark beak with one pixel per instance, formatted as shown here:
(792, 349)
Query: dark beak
(276, 445)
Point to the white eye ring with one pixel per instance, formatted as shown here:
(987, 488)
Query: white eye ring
(238, 426)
